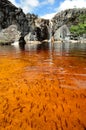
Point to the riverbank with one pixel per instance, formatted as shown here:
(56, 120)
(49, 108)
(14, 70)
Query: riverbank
(5, 43)
(76, 41)
(70, 41)
(44, 42)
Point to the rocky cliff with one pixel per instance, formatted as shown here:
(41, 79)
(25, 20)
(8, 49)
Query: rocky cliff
(10, 14)
(30, 24)
(15, 24)
(62, 22)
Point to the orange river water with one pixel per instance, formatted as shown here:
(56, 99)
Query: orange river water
(43, 87)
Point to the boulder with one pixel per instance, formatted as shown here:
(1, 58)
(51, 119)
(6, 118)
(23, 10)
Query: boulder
(61, 33)
(9, 35)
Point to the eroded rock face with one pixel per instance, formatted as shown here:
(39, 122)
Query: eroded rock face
(43, 25)
(61, 33)
(39, 30)
(10, 14)
(65, 18)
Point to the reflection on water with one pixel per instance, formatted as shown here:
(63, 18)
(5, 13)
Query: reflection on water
(65, 58)
(68, 49)
(43, 86)
(22, 46)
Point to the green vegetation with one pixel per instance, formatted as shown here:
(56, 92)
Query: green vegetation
(80, 28)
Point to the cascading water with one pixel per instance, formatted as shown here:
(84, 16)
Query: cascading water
(50, 35)
(50, 30)
(50, 41)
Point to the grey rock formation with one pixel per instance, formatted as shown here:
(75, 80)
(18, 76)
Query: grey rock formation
(68, 17)
(33, 28)
(61, 33)
(39, 29)
(10, 14)
(10, 34)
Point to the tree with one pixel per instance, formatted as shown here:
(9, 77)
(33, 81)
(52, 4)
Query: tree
(82, 18)
(80, 28)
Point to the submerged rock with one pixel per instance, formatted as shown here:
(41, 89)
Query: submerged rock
(22, 41)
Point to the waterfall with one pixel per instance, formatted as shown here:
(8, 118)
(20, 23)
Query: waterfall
(50, 30)
(50, 40)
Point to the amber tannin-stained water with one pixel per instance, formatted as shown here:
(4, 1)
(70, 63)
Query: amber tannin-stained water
(43, 87)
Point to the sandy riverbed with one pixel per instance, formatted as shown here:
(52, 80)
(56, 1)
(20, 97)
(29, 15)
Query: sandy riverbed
(41, 98)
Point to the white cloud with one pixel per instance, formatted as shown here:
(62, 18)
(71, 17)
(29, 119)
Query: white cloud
(51, 1)
(29, 5)
(26, 5)
(48, 16)
(69, 4)
(14, 2)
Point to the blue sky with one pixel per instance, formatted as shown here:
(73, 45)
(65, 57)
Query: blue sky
(48, 8)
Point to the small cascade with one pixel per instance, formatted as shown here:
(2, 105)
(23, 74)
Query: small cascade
(50, 30)
(15, 44)
(50, 35)
(50, 41)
